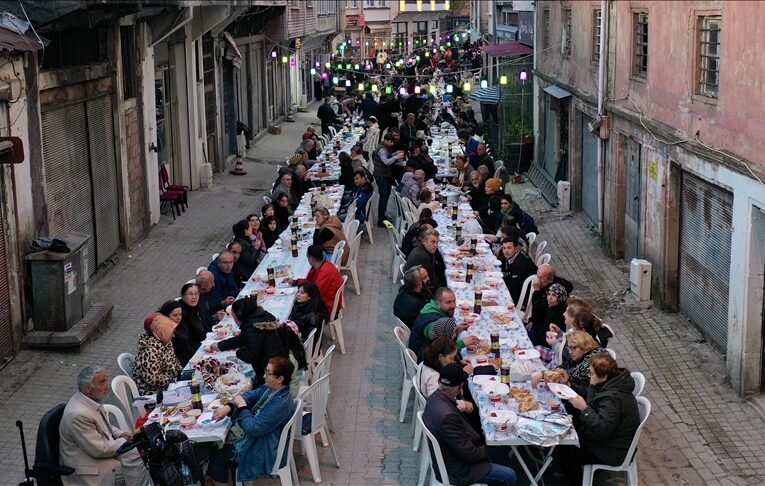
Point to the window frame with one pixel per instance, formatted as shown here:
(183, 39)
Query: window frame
(637, 70)
(566, 29)
(703, 58)
(546, 28)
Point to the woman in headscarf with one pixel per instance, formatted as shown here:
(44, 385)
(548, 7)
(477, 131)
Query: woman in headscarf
(557, 295)
(156, 364)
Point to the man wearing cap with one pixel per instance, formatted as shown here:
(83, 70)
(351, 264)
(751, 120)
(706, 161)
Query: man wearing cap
(465, 454)
(325, 275)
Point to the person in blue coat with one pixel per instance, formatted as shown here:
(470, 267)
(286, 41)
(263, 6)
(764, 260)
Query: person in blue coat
(261, 414)
(225, 289)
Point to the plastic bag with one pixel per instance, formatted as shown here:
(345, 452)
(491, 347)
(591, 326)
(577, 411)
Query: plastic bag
(232, 384)
(521, 369)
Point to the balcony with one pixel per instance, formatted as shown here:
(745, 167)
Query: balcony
(507, 32)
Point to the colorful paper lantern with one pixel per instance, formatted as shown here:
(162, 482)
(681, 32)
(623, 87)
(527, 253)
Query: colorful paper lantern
(313, 71)
(466, 87)
(417, 90)
(449, 88)
(374, 88)
(334, 80)
(388, 90)
(484, 83)
(284, 59)
(347, 83)
(361, 86)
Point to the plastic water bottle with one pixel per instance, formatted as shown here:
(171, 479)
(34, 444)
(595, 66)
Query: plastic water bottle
(186, 478)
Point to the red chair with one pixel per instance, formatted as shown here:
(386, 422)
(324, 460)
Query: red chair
(165, 184)
(175, 198)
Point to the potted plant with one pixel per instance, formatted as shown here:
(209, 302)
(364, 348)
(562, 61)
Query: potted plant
(520, 133)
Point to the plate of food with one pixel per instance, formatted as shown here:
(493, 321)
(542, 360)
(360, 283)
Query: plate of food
(503, 417)
(561, 390)
(496, 388)
(485, 379)
(526, 353)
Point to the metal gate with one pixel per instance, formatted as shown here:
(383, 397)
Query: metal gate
(6, 326)
(632, 200)
(589, 172)
(81, 176)
(705, 249)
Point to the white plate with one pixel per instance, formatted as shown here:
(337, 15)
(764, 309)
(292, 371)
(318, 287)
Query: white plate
(485, 379)
(503, 416)
(497, 389)
(527, 354)
(561, 390)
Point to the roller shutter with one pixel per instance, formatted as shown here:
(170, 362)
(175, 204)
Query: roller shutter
(589, 172)
(705, 249)
(6, 326)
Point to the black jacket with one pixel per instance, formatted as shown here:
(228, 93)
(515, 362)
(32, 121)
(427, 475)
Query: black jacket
(258, 342)
(462, 447)
(539, 311)
(514, 274)
(432, 262)
(189, 334)
(248, 259)
(305, 317)
(208, 306)
(408, 135)
(608, 424)
(408, 305)
(477, 197)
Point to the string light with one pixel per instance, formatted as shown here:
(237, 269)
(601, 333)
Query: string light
(361, 86)
(284, 59)
(402, 91)
(417, 90)
(374, 88)
(313, 71)
(466, 87)
(334, 80)
(433, 88)
(503, 80)
(388, 90)
(327, 65)
(449, 88)
(347, 83)
(484, 83)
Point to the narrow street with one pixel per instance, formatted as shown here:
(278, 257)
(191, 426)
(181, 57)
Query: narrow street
(700, 432)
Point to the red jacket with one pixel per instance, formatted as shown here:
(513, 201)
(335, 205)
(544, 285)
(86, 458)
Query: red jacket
(328, 279)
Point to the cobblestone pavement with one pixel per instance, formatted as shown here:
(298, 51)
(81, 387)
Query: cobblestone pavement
(699, 432)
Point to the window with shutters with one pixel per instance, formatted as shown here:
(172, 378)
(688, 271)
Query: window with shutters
(546, 26)
(596, 14)
(708, 71)
(640, 44)
(566, 33)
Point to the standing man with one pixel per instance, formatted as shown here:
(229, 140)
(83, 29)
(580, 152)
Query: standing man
(408, 132)
(383, 160)
(327, 115)
(89, 443)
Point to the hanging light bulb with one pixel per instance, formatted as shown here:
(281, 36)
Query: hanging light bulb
(326, 65)
(449, 88)
(433, 88)
(417, 90)
(324, 75)
(356, 67)
(387, 65)
(273, 54)
(317, 64)
(374, 88)
(347, 83)
(417, 58)
(348, 67)
(284, 59)
(313, 71)
(419, 5)
(447, 5)
(466, 87)
(402, 91)
(293, 62)
(503, 80)
(361, 86)
(523, 76)
(388, 90)
(402, 5)
(334, 80)
(484, 83)
(432, 4)
(427, 53)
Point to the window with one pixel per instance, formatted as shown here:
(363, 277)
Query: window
(709, 55)
(640, 67)
(375, 3)
(434, 25)
(129, 62)
(420, 33)
(567, 33)
(400, 36)
(596, 35)
(352, 3)
(546, 25)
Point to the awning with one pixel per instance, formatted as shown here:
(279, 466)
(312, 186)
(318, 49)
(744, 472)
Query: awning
(378, 26)
(418, 16)
(315, 41)
(557, 92)
(508, 49)
(488, 95)
(15, 42)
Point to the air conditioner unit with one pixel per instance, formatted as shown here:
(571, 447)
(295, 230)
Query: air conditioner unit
(640, 279)
(564, 196)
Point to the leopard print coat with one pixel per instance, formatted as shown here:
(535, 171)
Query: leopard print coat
(156, 365)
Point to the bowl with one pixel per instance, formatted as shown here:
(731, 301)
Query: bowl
(194, 412)
(188, 422)
(184, 406)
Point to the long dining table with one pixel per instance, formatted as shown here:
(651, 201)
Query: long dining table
(498, 397)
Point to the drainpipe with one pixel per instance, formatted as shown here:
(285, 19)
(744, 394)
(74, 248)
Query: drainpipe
(19, 244)
(601, 108)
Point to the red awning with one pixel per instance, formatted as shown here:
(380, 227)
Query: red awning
(508, 49)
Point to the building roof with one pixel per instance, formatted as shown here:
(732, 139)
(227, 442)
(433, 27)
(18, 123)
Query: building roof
(13, 41)
(508, 49)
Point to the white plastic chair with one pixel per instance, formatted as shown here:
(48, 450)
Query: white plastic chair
(337, 254)
(267, 200)
(336, 316)
(200, 270)
(526, 292)
(394, 240)
(535, 252)
(639, 382)
(350, 215)
(611, 353)
(353, 264)
(611, 330)
(401, 271)
(531, 237)
(288, 474)
(351, 229)
(317, 395)
(214, 256)
(409, 368)
(410, 217)
(126, 361)
(121, 385)
(368, 222)
(308, 347)
(630, 464)
(419, 406)
(543, 259)
(115, 412)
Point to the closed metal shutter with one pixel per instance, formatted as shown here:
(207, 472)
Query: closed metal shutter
(705, 249)
(589, 172)
(6, 327)
(103, 162)
(69, 191)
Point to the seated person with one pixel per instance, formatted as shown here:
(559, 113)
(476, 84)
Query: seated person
(325, 275)
(346, 171)
(578, 317)
(285, 187)
(156, 364)
(309, 311)
(267, 210)
(426, 254)
(425, 201)
(357, 159)
(270, 231)
(328, 233)
(476, 191)
(426, 162)
(299, 182)
(361, 193)
(412, 182)
(490, 215)
(225, 287)
(410, 237)
(412, 296)
(608, 420)
(581, 348)
(465, 454)
(283, 211)
(536, 325)
(241, 276)
(516, 267)
(210, 310)
(462, 177)
(190, 331)
(261, 414)
(88, 442)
